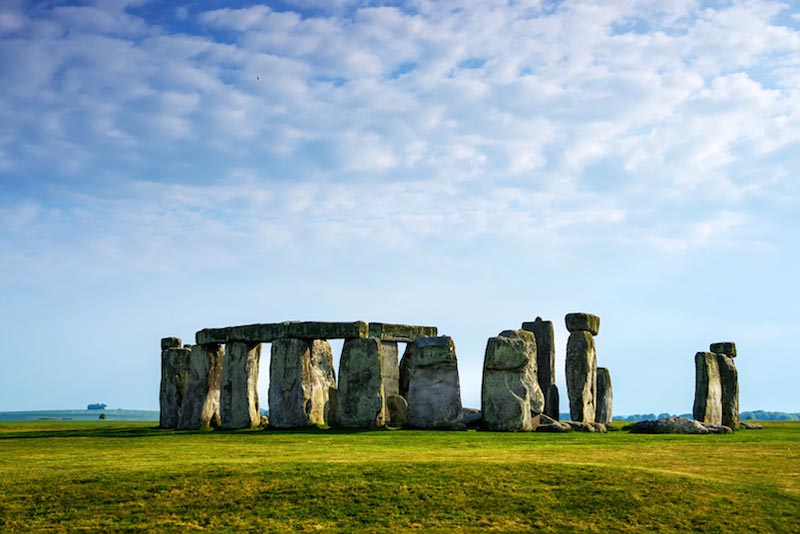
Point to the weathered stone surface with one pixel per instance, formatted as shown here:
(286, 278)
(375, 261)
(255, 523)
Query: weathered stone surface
(400, 332)
(397, 411)
(605, 397)
(554, 427)
(582, 426)
(390, 368)
(727, 348)
(717, 429)
(552, 402)
(300, 376)
(750, 426)
(174, 382)
(171, 343)
(269, 332)
(332, 396)
(510, 391)
(201, 403)
(669, 425)
(434, 391)
(471, 417)
(583, 322)
(581, 375)
(238, 399)
(405, 369)
(729, 381)
(360, 399)
(707, 389)
(545, 352)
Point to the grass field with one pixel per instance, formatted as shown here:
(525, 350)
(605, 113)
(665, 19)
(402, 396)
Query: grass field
(107, 477)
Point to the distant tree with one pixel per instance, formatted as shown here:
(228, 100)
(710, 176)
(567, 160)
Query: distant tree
(102, 417)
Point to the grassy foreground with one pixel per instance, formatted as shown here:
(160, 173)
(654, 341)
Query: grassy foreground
(106, 477)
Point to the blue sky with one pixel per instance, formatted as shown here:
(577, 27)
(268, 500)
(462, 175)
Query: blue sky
(169, 166)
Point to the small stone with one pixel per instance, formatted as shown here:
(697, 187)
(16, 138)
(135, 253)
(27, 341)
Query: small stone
(434, 391)
(727, 348)
(263, 421)
(397, 409)
(171, 343)
(583, 322)
(707, 390)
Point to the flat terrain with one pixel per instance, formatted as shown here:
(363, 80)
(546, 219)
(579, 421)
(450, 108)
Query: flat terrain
(103, 476)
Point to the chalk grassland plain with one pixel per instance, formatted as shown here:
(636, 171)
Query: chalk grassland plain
(107, 477)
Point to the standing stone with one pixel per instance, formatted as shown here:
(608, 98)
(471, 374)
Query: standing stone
(406, 362)
(174, 382)
(397, 411)
(605, 397)
(201, 403)
(707, 389)
(729, 381)
(510, 392)
(434, 392)
(390, 374)
(581, 375)
(545, 352)
(300, 376)
(331, 407)
(552, 402)
(360, 399)
(239, 395)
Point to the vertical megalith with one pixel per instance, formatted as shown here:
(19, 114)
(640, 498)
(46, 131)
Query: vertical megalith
(510, 392)
(201, 403)
(581, 365)
(238, 395)
(405, 369)
(605, 397)
(300, 377)
(360, 401)
(729, 381)
(434, 392)
(545, 352)
(552, 403)
(174, 380)
(707, 389)
(390, 368)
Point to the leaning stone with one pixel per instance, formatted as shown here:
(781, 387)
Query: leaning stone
(728, 348)
(171, 343)
(263, 421)
(545, 352)
(605, 397)
(201, 403)
(300, 375)
(551, 403)
(238, 399)
(669, 425)
(729, 380)
(581, 375)
(707, 389)
(400, 332)
(471, 417)
(510, 391)
(434, 392)
(174, 384)
(397, 409)
(360, 399)
(583, 322)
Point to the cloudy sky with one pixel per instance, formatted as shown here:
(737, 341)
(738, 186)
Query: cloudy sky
(169, 166)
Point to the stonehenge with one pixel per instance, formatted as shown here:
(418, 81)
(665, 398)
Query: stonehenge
(716, 394)
(434, 391)
(581, 366)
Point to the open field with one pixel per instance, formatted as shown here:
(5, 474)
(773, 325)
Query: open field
(103, 476)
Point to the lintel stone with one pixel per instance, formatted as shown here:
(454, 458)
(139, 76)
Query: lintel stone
(269, 332)
(402, 333)
(171, 343)
(583, 322)
(728, 348)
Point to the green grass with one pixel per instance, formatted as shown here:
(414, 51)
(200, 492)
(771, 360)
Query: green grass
(130, 477)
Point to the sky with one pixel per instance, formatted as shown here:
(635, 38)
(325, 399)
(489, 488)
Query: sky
(171, 166)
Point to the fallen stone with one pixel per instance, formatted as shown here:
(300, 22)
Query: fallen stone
(405, 369)
(545, 352)
(510, 392)
(400, 332)
(331, 408)
(546, 420)
(669, 425)
(471, 417)
(727, 348)
(718, 429)
(605, 396)
(750, 426)
(729, 380)
(201, 402)
(360, 401)
(434, 391)
(390, 368)
(238, 399)
(175, 370)
(397, 411)
(171, 343)
(300, 376)
(553, 427)
(552, 402)
(707, 389)
(581, 426)
(583, 322)
(269, 332)
(581, 375)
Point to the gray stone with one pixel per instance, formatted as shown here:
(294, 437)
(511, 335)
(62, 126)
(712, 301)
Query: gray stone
(583, 322)
(397, 411)
(582, 426)
(717, 429)
(390, 368)
(331, 409)
(545, 352)
(269, 332)
(174, 383)
(750, 426)
(300, 375)
(201, 403)
(552, 402)
(605, 397)
(238, 399)
(434, 392)
(360, 399)
(326, 330)
(727, 348)
(669, 425)
(510, 392)
(729, 381)
(554, 427)
(171, 343)
(581, 375)
(707, 389)
(405, 369)
(471, 417)
(400, 332)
